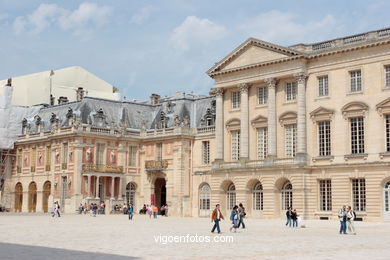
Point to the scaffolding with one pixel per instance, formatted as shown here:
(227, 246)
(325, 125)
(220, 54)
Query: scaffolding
(7, 159)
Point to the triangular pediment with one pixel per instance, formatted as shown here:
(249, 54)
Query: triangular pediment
(384, 107)
(252, 51)
(259, 121)
(321, 113)
(233, 124)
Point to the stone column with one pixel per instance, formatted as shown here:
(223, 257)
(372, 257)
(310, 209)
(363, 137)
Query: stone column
(112, 188)
(97, 188)
(244, 116)
(271, 121)
(89, 192)
(219, 133)
(120, 189)
(78, 171)
(301, 120)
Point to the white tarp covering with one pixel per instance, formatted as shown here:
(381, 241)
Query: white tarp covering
(11, 118)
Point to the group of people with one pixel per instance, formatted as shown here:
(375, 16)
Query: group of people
(153, 210)
(93, 208)
(292, 217)
(347, 217)
(237, 216)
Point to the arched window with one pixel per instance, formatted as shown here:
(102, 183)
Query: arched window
(32, 197)
(204, 200)
(231, 196)
(287, 196)
(257, 200)
(130, 193)
(18, 197)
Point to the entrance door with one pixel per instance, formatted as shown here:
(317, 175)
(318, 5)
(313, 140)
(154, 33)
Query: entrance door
(18, 197)
(32, 197)
(160, 192)
(45, 196)
(386, 198)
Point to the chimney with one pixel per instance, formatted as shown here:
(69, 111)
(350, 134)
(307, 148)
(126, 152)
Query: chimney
(62, 100)
(79, 94)
(154, 99)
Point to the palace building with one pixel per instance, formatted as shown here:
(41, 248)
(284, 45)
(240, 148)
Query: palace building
(305, 126)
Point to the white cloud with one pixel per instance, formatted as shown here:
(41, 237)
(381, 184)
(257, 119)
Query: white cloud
(47, 15)
(142, 15)
(282, 28)
(195, 31)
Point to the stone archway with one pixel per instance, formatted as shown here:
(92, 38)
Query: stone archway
(45, 196)
(32, 197)
(18, 197)
(160, 192)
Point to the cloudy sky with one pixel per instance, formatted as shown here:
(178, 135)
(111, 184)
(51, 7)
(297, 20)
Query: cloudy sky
(145, 47)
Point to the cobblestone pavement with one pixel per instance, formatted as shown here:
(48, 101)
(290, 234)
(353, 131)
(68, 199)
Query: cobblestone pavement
(33, 236)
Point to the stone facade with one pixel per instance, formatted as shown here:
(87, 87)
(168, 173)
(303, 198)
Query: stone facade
(305, 126)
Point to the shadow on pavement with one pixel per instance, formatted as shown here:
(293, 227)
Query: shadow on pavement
(23, 252)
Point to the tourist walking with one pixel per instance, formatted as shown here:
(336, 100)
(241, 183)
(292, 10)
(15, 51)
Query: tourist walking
(216, 216)
(155, 211)
(234, 218)
(56, 210)
(149, 209)
(94, 209)
(343, 220)
(162, 210)
(130, 210)
(242, 214)
(166, 210)
(294, 218)
(350, 219)
(288, 215)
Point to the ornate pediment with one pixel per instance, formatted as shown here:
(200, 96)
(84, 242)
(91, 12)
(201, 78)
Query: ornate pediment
(354, 109)
(252, 51)
(321, 114)
(259, 121)
(233, 124)
(288, 118)
(383, 107)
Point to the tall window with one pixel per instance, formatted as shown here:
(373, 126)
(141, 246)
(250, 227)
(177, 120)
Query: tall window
(356, 80)
(231, 196)
(323, 89)
(287, 196)
(291, 91)
(257, 195)
(325, 195)
(205, 152)
(130, 193)
(204, 197)
(235, 145)
(262, 148)
(159, 151)
(291, 140)
(132, 156)
(324, 138)
(388, 133)
(263, 95)
(236, 99)
(357, 135)
(359, 194)
(65, 153)
(33, 157)
(64, 192)
(100, 154)
(387, 71)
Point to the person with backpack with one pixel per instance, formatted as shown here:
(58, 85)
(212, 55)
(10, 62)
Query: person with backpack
(351, 216)
(234, 218)
(294, 218)
(242, 214)
(288, 215)
(343, 220)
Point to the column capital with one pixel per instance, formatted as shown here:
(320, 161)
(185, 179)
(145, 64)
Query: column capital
(216, 92)
(244, 87)
(301, 77)
(271, 82)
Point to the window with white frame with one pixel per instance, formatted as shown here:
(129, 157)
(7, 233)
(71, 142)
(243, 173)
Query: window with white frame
(204, 197)
(291, 140)
(388, 133)
(130, 193)
(132, 156)
(287, 196)
(231, 197)
(159, 151)
(257, 197)
(263, 95)
(236, 99)
(291, 91)
(359, 194)
(205, 152)
(387, 72)
(262, 148)
(324, 138)
(357, 135)
(235, 144)
(325, 195)
(65, 153)
(356, 80)
(323, 89)
(100, 153)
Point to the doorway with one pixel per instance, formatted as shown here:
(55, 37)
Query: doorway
(45, 196)
(32, 197)
(160, 192)
(18, 197)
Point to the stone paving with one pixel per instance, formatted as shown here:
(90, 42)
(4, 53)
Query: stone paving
(33, 236)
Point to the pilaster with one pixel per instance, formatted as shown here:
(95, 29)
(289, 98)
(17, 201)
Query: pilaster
(271, 120)
(244, 118)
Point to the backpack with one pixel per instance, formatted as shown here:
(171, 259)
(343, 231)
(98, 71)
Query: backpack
(354, 214)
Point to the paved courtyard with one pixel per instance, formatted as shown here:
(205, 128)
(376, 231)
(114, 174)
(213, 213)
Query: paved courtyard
(115, 237)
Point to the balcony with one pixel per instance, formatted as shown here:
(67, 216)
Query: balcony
(47, 167)
(102, 168)
(156, 165)
(270, 162)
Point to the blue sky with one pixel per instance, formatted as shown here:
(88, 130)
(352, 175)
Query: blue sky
(145, 47)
